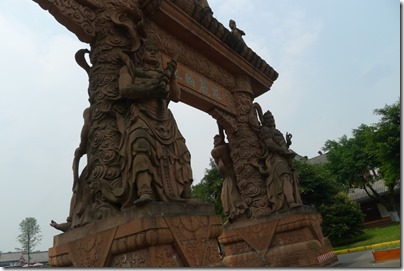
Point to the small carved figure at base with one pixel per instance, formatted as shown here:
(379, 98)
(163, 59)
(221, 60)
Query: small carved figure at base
(64, 227)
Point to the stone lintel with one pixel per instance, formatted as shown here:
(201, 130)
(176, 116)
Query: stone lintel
(184, 27)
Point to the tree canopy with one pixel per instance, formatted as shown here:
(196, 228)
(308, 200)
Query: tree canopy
(317, 183)
(387, 143)
(318, 187)
(371, 154)
(210, 188)
(351, 160)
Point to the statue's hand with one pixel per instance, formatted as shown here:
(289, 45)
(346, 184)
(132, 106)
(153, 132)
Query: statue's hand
(171, 66)
(288, 139)
(161, 90)
(79, 152)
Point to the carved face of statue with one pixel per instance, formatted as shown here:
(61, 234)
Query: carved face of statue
(232, 24)
(268, 119)
(218, 140)
(150, 55)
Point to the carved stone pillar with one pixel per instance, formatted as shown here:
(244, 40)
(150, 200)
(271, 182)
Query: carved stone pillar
(247, 151)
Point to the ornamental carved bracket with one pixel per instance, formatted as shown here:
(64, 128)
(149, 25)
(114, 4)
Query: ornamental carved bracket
(77, 16)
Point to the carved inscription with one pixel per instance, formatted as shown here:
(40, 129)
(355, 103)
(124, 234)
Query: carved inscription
(198, 85)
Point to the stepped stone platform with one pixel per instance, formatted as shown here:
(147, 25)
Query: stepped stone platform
(155, 235)
(289, 238)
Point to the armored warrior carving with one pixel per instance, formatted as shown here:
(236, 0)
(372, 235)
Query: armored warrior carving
(230, 196)
(79, 204)
(157, 159)
(282, 181)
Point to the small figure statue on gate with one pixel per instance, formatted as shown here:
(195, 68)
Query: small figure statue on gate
(238, 33)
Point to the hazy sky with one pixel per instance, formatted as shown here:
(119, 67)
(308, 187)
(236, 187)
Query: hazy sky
(337, 62)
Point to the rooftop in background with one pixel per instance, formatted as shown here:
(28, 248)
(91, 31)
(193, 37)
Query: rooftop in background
(19, 259)
(356, 194)
(320, 159)
(359, 194)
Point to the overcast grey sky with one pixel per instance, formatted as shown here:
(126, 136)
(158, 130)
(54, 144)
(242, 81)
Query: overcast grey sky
(337, 62)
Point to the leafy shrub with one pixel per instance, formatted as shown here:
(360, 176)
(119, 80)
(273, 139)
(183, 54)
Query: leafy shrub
(342, 218)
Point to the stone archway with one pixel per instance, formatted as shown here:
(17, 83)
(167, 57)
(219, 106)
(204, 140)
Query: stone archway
(205, 66)
(216, 72)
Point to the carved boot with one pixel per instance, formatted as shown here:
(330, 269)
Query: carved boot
(187, 193)
(144, 196)
(144, 189)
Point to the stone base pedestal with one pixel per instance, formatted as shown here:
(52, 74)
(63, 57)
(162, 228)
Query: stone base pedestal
(291, 238)
(155, 235)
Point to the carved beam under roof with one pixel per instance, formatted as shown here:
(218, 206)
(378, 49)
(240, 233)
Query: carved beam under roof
(205, 34)
(77, 16)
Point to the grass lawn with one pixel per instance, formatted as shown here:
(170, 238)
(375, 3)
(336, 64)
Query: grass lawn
(391, 246)
(374, 236)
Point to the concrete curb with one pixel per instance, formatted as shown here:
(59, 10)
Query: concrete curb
(342, 251)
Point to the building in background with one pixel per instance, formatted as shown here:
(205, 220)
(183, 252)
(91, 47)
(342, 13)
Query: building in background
(20, 259)
(375, 213)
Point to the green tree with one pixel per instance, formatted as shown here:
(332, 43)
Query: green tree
(210, 188)
(30, 236)
(318, 187)
(342, 219)
(387, 143)
(371, 154)
(317, 183)
(350, 159)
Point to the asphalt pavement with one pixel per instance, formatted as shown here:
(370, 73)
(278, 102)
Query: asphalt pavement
(364, 259)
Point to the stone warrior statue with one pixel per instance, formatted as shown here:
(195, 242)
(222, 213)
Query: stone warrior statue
(78, 214)
(158, 161)
(281, 181)
(230, 196)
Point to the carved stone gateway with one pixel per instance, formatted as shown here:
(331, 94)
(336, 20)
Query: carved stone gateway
(132, 204)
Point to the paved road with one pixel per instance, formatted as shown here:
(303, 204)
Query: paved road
(364, 258)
